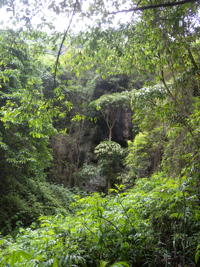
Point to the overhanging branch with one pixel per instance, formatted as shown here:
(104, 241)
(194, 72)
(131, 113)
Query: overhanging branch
(170, 4)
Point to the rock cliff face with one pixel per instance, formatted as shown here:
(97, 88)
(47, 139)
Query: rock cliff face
(72, 151)
(122, 130)
(63, 160)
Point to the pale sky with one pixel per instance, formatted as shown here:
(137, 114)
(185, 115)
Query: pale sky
(61, 21)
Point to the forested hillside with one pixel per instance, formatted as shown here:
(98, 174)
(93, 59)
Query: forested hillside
(100, 133)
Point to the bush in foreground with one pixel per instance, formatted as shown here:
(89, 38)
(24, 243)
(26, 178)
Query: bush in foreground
(154, 224)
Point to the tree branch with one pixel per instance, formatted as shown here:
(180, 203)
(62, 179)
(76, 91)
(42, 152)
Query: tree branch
(154, 6)
(61, 45)
(193, 61)
(167, 88)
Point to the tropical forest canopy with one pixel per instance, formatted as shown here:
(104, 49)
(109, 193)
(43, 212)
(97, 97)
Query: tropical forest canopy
(100, 133)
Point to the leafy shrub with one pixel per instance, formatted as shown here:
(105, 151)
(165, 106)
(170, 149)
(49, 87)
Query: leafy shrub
(110, 157)
(154, 224)
(138, 159)
(28, 199)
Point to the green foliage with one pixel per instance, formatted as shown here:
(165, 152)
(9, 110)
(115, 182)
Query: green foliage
(154, 223)
(114, 100)
(139, 158)
(108, 149)
(145, 104)
(26, 123)
(28, 199)
(25, 115)
(110, 155)
(89, 172)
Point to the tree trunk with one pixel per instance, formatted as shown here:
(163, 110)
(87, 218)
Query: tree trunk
(110, 134)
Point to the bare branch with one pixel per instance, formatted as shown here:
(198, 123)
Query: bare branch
(170, 4)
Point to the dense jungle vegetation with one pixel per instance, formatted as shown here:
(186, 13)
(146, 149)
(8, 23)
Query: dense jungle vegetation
(100, 133)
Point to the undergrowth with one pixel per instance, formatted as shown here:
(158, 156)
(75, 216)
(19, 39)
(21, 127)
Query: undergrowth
(154, 224)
